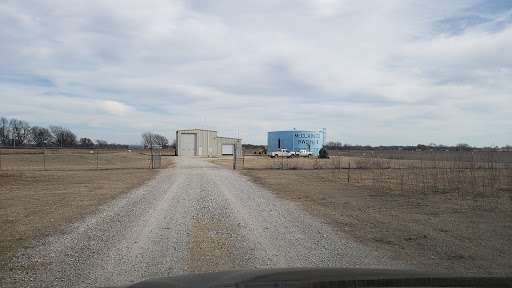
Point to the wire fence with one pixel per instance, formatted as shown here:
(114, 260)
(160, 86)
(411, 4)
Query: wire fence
(415, 159)
(468, 173)
(56, 159)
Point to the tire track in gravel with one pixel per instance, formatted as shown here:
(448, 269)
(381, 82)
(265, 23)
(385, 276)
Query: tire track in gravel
(265, 231)
(152, 246)
(215, 245)
(279, 234)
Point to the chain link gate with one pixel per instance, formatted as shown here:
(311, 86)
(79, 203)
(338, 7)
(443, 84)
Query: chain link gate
(238, 161)
(156, 157)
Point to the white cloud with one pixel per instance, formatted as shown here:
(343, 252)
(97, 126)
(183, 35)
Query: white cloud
(115, 108)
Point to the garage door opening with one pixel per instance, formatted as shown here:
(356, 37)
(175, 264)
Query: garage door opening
(188, 144)
(228, 149)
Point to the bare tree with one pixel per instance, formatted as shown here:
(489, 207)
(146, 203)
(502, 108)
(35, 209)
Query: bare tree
(20, 130)
(442, 147)
(41, 136)
(173, 144)
(422, 147)
(5, 131)
(161, 140)
(62, 137)
(86, 142)
(151, 139)
(462, 147)
(148, 139)
(101, 143)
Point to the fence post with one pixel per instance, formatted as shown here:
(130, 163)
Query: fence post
(152, 160)
(44, 159)
(348, 175)
(489, 158)
(0, 158)
(234, 158)
(97, 160)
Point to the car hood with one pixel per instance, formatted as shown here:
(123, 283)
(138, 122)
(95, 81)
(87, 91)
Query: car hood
(325, 277)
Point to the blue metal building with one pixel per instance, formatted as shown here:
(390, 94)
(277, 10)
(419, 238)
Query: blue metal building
(295, 140)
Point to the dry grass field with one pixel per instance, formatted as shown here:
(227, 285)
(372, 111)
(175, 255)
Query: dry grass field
(463, 176)
(446, 217)
(75, 159)
(36, 203)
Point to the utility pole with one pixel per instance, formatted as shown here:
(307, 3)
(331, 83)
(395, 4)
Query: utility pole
(234, 159)
(207, 138)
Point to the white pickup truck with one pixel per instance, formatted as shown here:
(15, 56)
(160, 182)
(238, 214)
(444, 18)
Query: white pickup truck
(304, 153)
(283, 153)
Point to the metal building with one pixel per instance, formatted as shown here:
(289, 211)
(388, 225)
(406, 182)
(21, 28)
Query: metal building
(199, 142)
(295, 140)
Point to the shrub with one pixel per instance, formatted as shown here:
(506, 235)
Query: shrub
(323, 154)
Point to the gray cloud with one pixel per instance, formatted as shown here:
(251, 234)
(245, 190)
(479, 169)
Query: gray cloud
(370, 72)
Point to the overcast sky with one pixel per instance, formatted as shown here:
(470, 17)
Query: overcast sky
(371, 72)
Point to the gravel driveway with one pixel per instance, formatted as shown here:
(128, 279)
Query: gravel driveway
(194, 217)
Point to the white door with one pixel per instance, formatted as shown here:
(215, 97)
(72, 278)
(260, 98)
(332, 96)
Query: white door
(200, 151)
(188, 145)
(228, 149)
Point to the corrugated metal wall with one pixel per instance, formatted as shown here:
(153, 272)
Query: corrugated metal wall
(207, 142)
(232, 141)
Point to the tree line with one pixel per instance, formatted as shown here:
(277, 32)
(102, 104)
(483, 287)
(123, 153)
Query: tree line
(335, 145)
(14, 132)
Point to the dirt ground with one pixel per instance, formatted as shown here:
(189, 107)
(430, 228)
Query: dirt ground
(437, 231)
(35, 203)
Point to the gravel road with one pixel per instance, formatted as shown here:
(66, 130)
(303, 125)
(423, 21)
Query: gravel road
(193, 217)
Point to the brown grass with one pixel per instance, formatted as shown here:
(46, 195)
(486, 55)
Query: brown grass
(75, 159)
(453, 227)
(466, 179)
(36, 203)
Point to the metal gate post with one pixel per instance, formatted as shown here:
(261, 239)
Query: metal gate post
(234, 158)
(152, 160)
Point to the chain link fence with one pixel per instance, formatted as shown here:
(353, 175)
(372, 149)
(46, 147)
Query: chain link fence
(56, 159)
